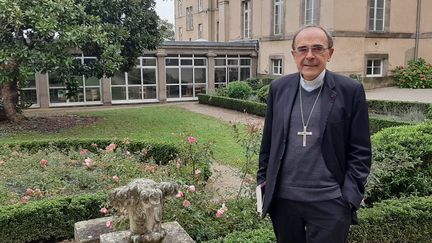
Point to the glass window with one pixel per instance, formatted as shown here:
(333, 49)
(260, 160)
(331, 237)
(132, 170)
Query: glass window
(172, 75)
(233, 74)
(200, 75)
(277, 16)
(119, 78)
(374, 68)
(134, 76)
(173, 91)
(118, 93)
(171, 62)
(376, 15)
(149, 92)
(187, 90)
(189, 18)
(244, 73)
(277, 67)
(311, 12)
(246, 19)
(220, 62)
(187, 75)
(180, 8)
(149, 75)
(149, 62)
(220, 75)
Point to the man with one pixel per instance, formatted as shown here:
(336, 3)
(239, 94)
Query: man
(315, 153)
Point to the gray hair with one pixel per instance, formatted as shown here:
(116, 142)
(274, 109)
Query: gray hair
(326, 32)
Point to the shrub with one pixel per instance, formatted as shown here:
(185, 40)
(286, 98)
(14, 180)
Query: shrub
(402, 162)
(410, 111)
(263, 93)
(417, 75)
(376, 124)
(239, 90)
(258, 83)
(234, 104)
(399, 220)
(47, 219)
(262, 235)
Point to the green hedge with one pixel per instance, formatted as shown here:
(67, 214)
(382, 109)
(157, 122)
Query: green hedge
(161, 153)
(234, 104)
(398, 220)
(45, 219)
(399, 108)
(402, 162)
(376, 124)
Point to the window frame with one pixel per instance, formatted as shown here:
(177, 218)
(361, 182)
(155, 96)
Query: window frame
(246, 19)
(180, 8)
(373, 66)
(314, 7)
(278, 17)
(189, 18)
(200, 31)
(277, 64)
(373, 19)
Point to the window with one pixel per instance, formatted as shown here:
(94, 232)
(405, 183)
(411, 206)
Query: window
(180, 8)
(88, 91)
(200, 5)
(180, 31)
(28, 93)
(137, 85)
(189, 18)
(277, 66)
(200, 31)
(186, 76)
(278, 16)
(217, 31)
(246, 19)
(311, 12)
(231, 68)
(376, 15)
(374, 68)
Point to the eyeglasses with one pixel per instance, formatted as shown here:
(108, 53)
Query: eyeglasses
(317, 49)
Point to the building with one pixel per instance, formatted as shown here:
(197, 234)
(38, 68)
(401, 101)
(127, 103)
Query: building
(176, 71)
(371, 37)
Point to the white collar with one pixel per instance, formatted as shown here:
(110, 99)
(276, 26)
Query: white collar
(313, 84)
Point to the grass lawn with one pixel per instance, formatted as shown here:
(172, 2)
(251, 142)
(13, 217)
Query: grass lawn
(153, 123)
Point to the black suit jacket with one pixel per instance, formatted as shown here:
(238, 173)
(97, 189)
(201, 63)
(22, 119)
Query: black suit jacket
(345, 137)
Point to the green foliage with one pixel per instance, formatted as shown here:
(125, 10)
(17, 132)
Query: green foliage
(399, 220)
(234, 104)
(257, 83)
(376, 124)
(262, 235)
(239, 90)
(37, 36)
(402, 162)
(159, 152)
(47, 219)
(263, 93)
(200, 221)
(417, 75)
(409, 111)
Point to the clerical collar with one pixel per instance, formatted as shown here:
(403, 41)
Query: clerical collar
(313, 84)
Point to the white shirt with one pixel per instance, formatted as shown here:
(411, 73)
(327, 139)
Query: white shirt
(309, 86)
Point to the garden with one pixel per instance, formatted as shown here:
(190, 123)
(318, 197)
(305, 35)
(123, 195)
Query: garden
(54, 177)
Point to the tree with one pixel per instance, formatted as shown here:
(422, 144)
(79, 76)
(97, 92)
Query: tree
(41, 36)
(168, 32)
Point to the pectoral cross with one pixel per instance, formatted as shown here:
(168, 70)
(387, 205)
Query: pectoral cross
(304, 133)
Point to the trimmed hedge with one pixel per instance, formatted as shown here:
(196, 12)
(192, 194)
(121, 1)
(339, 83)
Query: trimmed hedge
(398, 220)
(398, 108)
(161, 153)
(402, 163)
(376, 124)
(234, 104)
(45, 219)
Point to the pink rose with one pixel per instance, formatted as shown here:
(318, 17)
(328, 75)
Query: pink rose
(186, 203)
(38, 192)
(88, 163)
(43, 163)
(84, 152)
(25, 199)
(197, 174)
(116, 179)
(191, 188)
(111, 147)
(103, 211)
(179, 194)
(191, 140)
(94, 145)
(219, 213)
(2, 162)
(29, 192)
(126, 141)
(178, 163)
(109, 224)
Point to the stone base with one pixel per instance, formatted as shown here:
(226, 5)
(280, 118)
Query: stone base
(95, 231)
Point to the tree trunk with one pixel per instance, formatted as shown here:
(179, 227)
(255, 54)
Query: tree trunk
(9, 93)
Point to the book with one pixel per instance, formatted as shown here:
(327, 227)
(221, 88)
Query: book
(259, 199)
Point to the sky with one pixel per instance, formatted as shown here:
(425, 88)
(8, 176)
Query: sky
(165, 9)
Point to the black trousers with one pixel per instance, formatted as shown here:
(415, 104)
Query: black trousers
(310, 222)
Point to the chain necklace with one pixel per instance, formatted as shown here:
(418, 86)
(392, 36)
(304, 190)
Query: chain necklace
(305, 133)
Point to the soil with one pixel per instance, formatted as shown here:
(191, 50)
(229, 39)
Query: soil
(45, 124)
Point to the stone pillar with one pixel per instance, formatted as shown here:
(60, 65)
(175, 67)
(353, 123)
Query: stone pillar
(254, 64)
(211, 71)
(42, 89)
(161, 71)
(106, 91)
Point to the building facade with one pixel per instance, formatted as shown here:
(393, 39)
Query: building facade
(176, 71)
(371, 37)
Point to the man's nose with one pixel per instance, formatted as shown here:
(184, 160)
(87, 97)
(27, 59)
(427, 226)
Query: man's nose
(309, 53)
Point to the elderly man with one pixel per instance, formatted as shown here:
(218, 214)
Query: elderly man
(315, 153)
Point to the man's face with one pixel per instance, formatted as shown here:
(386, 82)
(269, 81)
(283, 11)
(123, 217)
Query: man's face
(311, 52)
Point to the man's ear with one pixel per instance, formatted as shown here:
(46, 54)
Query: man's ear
(331, 50)
(292, 53)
